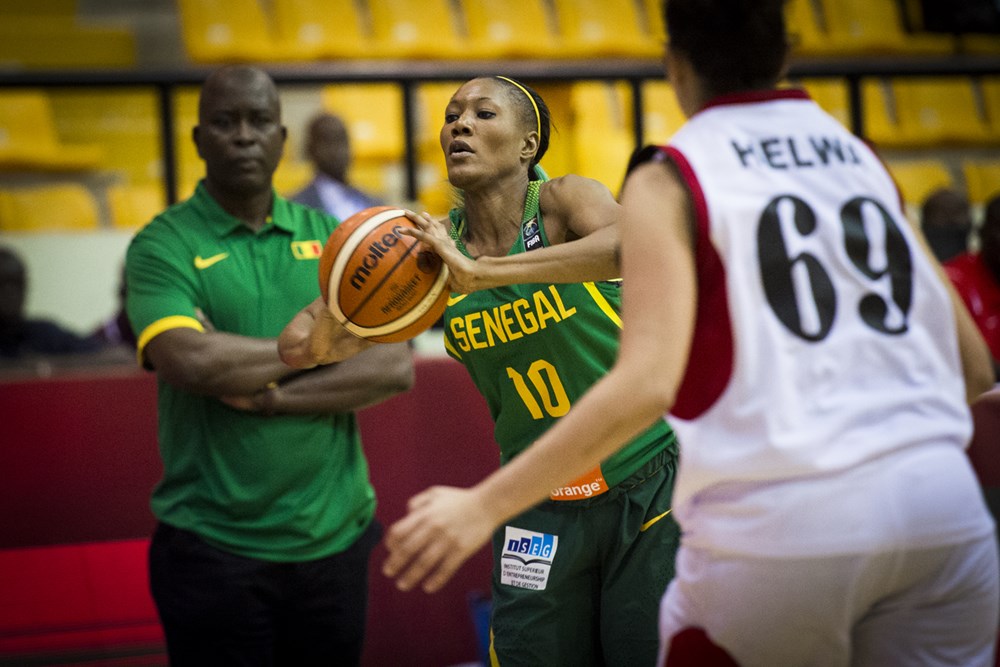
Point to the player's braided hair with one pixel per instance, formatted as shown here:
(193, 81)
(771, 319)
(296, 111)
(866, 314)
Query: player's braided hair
(734, 45)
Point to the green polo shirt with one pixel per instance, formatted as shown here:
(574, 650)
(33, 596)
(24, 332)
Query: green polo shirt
(279, 488)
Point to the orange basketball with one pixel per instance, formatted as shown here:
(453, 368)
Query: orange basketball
(380, 284)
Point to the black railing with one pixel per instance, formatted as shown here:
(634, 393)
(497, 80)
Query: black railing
(409, 74)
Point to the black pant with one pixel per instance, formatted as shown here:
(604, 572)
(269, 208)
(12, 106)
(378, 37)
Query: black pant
(219, 609)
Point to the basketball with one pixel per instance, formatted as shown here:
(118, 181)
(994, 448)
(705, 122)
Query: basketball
(382, 285)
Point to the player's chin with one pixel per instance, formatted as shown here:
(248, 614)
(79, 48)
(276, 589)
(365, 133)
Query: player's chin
(464, 176)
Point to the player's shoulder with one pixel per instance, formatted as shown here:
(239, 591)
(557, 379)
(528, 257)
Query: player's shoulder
(571, 190)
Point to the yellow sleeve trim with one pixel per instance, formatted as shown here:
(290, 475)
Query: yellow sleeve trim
(603, 304)
(450, 348)
(161, 325)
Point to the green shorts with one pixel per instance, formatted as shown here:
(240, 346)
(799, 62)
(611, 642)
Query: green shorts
(579, 582)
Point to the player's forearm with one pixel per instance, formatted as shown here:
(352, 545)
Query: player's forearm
(367, 379)
(593, 257)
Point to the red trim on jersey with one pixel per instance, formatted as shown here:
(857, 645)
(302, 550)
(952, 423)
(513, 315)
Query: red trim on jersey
(692, 647)
(710, 361)
(751, 96)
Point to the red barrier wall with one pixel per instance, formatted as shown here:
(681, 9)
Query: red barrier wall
(78, 460)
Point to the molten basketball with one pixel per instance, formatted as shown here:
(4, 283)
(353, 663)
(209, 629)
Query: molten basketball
(380, 284)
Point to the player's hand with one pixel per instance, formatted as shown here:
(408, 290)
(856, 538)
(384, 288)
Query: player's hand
(444, 527)
(463, 272)
(315, 337)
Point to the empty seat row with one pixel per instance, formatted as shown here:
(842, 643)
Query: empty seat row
(73, 206)
(118, 131)
(290, 30)
(227, 30)
(919, 112)
(48, 35)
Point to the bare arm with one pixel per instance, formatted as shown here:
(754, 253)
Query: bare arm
(575, 209)
(445, 525)
(364, 380)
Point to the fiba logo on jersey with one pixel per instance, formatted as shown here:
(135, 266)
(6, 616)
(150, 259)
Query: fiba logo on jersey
(527, 558)
(531, 234)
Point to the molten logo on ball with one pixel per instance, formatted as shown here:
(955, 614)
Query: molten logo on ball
(381, 284)
(376, 251)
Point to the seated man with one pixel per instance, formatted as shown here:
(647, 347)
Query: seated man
(328, 147)
(21, 336)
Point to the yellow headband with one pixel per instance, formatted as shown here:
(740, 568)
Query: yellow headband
(538, 116)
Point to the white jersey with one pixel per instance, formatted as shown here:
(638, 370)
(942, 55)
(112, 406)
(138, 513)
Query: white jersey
(824, 380)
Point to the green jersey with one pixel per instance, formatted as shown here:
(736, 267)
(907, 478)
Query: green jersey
(280, 488)
(534, 349)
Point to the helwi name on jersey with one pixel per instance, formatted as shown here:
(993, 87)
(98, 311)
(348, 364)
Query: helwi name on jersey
(795, 152)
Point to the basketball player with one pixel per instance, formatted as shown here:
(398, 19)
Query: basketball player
(816, 368)
(576, 578)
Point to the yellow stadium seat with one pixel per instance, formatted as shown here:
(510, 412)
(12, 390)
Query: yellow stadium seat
(432, 100)
(601, 28)
(504, 29)
(559, 159)
(661, 113)
(189, 168)
(875, 26)
(805, 29)
(415, 29)
(434, 193)
(29, 140)
(917, 179)
(938, 111)
(990, 88)
(132, 206)
(218, 31)
(291, 175)
(34, 44)
(63, 10)
(373, 114)
(62, 207)
(831, 95)
(988, 45)
(602, 131)
(381, 179)
(654, 20)
(881, 124)
(316, 29)
(982, 180)
(125, 122)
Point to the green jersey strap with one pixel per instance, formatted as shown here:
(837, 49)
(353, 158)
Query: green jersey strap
(532, 235)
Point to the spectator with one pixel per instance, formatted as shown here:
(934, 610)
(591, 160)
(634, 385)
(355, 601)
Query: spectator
(328, 147)
(976, 276)
(946, 219)
(265, 509)
(21, 336)
(116, 330)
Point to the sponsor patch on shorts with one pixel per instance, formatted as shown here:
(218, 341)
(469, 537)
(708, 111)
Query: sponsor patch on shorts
(527, 558)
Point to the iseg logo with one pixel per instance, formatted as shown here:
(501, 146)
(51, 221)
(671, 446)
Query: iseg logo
(376, 251)
(529, 547)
